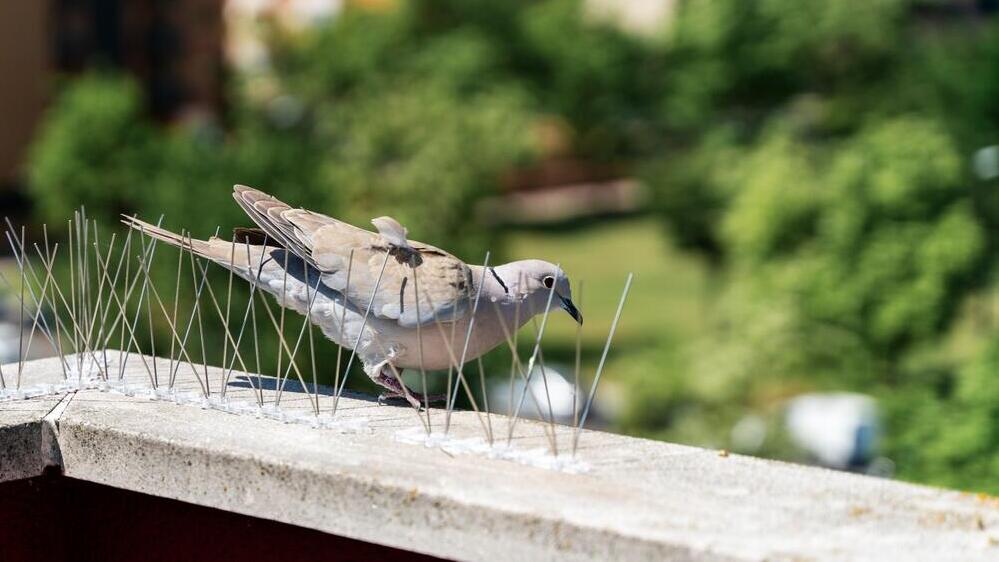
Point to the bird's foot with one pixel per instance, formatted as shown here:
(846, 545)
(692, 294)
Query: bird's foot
(415, 399)
(395, 390)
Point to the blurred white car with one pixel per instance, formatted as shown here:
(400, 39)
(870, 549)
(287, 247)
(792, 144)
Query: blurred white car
(840, 430)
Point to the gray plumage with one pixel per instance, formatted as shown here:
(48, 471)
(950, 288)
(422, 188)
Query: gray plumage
(323, 251)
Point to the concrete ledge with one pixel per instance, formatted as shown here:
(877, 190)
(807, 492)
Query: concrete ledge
(638, 499)
(27, 440)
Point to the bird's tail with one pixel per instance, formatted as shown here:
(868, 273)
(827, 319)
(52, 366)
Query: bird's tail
(203, 248)
(243, 258)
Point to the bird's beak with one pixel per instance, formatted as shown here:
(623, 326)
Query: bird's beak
(571, 309)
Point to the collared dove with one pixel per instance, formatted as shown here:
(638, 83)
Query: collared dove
(342, 270)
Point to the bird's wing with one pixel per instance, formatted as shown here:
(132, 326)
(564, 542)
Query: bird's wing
(340, 250)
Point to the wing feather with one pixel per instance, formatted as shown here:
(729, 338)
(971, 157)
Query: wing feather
(335, 247)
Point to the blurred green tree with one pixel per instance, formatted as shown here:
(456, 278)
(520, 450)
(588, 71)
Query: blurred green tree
(95, 148)
(835, 199)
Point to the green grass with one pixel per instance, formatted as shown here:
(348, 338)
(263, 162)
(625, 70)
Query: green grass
(668, 300)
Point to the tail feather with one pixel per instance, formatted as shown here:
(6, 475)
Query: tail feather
(243, 257)
(200, 247)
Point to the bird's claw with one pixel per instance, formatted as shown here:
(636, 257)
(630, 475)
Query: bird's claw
(415, 400)
(392, 395)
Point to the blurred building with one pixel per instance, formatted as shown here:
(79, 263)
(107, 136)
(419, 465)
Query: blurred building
(246, 47)
(174, 48)
(643, 17)
(24, 64)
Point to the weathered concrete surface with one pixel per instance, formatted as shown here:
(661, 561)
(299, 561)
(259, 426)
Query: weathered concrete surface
(27, 438)
(27, 441)
(639, 500)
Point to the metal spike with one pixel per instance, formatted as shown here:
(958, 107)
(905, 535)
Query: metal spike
(236, 356)
(454, 360)
(419, 339)
(579, 339)
(600, 366)
(360, 333)
(533, 358)
(34, 325)
(199, 288)
(305, 323)
(343, 318)
(517, 367)
(464, 351)
(173, 330)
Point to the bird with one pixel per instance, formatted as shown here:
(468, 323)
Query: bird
(398, 303)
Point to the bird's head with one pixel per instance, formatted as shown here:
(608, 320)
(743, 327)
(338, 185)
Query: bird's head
(533, 281)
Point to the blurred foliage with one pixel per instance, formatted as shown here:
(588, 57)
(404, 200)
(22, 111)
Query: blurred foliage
(94, 147)
(949, 436)
(808, 159)
(823, 167)
(409, 155)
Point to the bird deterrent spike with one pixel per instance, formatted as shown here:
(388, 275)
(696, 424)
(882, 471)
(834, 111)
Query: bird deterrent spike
(72, 285)
(100, 308)
(343, 318)
(282, 380)
(515, 359)
(548, 399)
(147, 252)
(253, 318)
(237, 356)
(20, 323)
(248, 315)
(485, 398)
(453, 359)
(283, 342)
(312, 350)
(149, 309)
(199, 288)
(600, 366)
(49, 257)
(131, 331)
(464, 351)
(126, 250)
(100, 267)
(517, 367)
(280, 327)
(124, 351)
(26, 267)
(39, 303)
(48, 264)
(228, 306)
(364, 323)
(419, 343)
(101, 305)
(579, 339)
(173, 330)
(254, 381)
(153, 292)
(533, 358)
(197, 309)
(81, 282)
(85, 290)
(176, 303)
(301, 333)
(39, 314)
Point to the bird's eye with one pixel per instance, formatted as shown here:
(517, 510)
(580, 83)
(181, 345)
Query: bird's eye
(548, 282)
